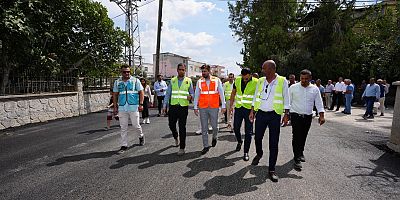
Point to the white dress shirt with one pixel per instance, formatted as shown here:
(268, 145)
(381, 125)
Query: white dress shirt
(340, 87)
(303, 99)
(268, 98)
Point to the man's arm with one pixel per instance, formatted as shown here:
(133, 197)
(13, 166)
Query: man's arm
(221, 94)
(167, 96)
(378, 92)
(196, 96)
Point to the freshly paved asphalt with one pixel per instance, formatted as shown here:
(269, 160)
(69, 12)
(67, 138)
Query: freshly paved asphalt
(76, 159)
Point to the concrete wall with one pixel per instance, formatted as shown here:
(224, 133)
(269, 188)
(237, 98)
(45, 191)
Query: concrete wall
(18, 110)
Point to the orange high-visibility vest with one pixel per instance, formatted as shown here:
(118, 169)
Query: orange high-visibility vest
(209, 96)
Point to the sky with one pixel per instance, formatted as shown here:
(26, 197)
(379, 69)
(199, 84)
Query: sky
(194, 28)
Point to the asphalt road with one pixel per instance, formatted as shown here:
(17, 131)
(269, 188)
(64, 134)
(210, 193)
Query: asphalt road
(76, 159)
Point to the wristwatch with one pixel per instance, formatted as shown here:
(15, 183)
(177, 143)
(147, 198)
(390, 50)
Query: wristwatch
(140, 104)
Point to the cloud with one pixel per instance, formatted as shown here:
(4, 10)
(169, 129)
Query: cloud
(198, 45)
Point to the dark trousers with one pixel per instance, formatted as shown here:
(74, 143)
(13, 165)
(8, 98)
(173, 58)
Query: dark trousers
(160, 100)
(337, 98)
(240, 115)
(145, 112)
(178, 114)
(370, 105)
(273, 122)
(300, 126)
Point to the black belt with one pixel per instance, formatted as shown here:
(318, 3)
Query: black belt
(300, 115)
(268, 112)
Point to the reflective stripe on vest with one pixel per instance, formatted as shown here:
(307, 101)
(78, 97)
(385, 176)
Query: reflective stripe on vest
(228, 90)
(246, 99)
(127, 93)
(179, 94)
(209, 96)
(278, 96)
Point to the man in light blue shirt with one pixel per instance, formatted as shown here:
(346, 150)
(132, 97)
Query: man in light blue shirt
(160, 87)
(371, 94)
(128, 101)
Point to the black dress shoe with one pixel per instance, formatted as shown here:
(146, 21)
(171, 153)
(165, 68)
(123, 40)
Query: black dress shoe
(214, 142)
(302, 159)
(256, 160)
(205, 150)
(273, 176)
(246, 157)
(238, 146)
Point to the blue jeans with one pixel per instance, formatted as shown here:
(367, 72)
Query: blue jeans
(347, 108)
(370, 105)
(273, 121)
(240, 115)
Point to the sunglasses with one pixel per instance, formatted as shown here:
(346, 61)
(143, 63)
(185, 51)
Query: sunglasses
(266, 88)
(126, 72)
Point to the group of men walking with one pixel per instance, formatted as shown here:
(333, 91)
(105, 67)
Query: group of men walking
(267, 100)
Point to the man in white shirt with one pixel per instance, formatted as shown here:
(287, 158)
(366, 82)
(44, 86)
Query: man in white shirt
(160, 87)
(303, 97)
(271, 99)
(340, 87)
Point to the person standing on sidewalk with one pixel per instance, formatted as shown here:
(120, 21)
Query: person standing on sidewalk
(371, 94)
(160, 87)
(148, 100)
(303, 97)
(271, 100)
(128, 101)
(228, 87)
(178, 95)
(209, 93)
(242, 94)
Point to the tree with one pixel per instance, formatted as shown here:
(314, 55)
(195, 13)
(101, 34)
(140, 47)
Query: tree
(54, 37)
(264, 35)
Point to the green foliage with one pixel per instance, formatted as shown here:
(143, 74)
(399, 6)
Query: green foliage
(53, 37)
(340, 41)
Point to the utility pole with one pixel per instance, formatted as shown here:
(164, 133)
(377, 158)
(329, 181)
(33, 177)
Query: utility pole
(133, 53)
(157, 70)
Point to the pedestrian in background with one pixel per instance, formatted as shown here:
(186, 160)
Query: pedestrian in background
(328, 94)
(178, 95)
(228, 87)
(110, 111)
(255, 75)
(386, 91)
(128, 101)
(303, 97)
(271, 100)
(371, 94)
(209, 93)
(348, 95)
(160, 87)
(148, 100)
(340, 87)
(382, 88)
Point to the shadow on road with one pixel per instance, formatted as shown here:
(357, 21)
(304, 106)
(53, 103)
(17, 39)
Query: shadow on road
(89, 132)
(237, 183)
(188, 134)
(387, 166)
(228, 138)
(155, 158)
(210, 164)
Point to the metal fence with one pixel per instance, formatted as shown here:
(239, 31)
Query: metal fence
(36, 85)
(97, 83)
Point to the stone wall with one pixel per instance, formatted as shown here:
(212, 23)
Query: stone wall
(20, 110)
